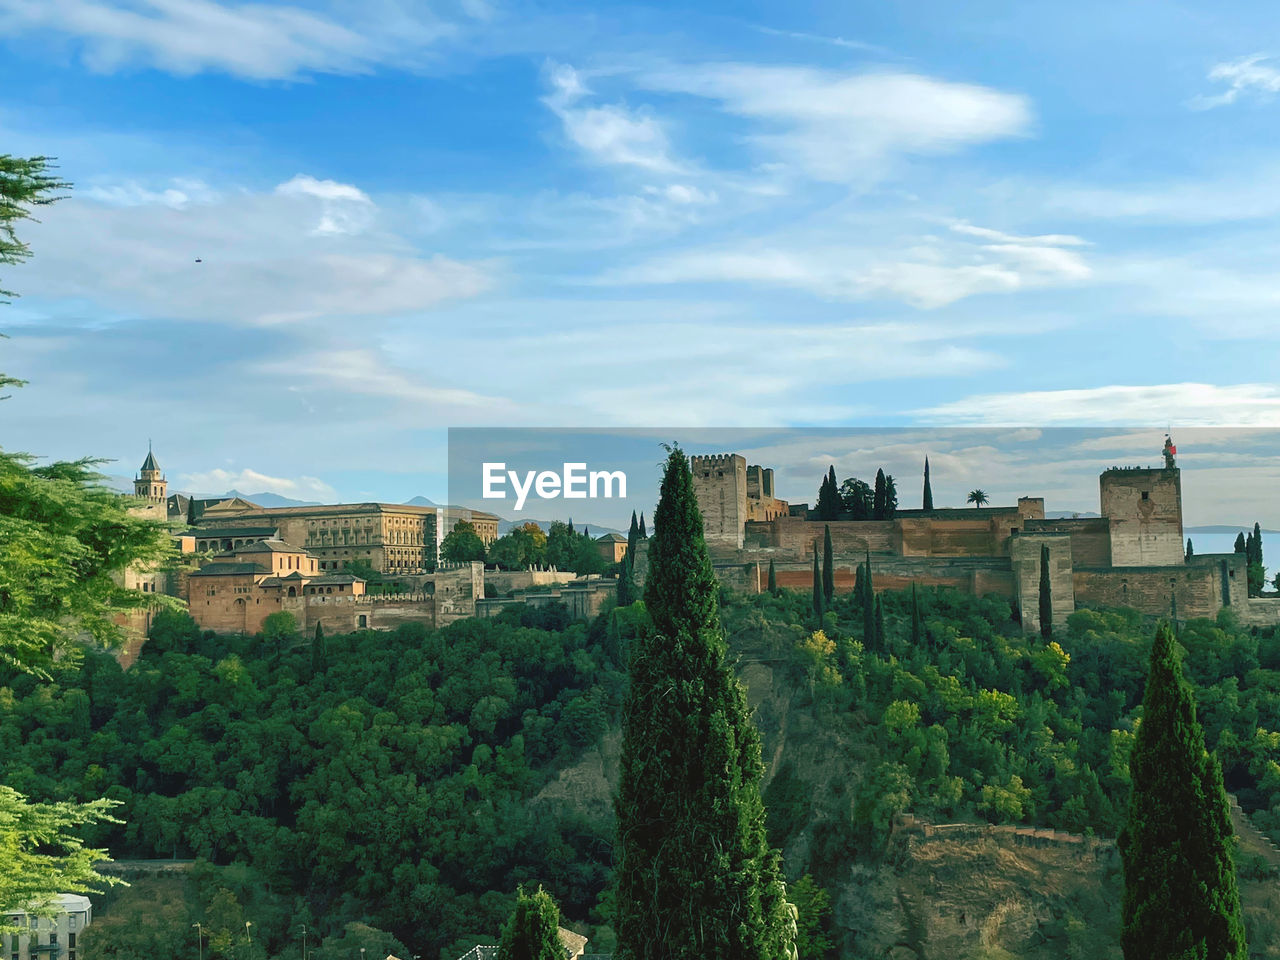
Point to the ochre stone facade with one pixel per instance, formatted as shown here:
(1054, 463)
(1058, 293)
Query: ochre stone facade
(1132, 555)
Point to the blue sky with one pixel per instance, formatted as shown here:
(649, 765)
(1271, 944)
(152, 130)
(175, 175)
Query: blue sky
(413, 216)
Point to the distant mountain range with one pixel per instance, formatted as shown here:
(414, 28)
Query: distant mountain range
(1069, 515)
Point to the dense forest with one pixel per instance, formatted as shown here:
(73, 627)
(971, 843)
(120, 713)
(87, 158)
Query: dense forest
(376, 787)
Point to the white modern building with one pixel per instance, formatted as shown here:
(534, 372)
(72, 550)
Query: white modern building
(48, 938)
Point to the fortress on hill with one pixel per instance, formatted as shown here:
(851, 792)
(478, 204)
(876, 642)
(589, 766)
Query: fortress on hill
(1133, 555)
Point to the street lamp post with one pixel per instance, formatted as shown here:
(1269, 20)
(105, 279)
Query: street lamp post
(304, 942)
(199, 940)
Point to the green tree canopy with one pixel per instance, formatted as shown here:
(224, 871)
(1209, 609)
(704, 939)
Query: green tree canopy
(462, 544)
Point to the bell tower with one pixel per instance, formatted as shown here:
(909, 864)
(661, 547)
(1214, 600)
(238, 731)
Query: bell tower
(150, 484)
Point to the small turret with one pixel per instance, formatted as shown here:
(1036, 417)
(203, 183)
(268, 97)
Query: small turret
(1170, 451)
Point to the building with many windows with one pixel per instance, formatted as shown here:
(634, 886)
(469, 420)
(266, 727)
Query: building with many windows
(53, 937)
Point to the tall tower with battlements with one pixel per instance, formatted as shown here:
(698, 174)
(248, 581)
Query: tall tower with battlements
(1144, 508)
(150, 484)
(720, 484)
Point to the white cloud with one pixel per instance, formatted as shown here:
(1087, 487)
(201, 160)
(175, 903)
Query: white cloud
(133, 194)
(262, 259)
(841, 126)
(344, 208)
(608, 133)
(257, 41)
(1246, 75)
(1187, 404)
(218, 481)
(928, 274)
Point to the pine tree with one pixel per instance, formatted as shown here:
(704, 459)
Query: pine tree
(928, 490)
(533, 931)
(319, 652)
(695, 876)
(1180, 896)
(828, 570)
(1046, 595)
(877, 503)
(773, 579)
(817, 585)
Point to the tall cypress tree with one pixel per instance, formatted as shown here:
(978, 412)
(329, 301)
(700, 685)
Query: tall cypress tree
(773, 579)
(643, 535)
(1257, 543)
(928, 490)
(319, 653)
(828, 569)
(533, 930)
(1180, 895)
(868, 607)
(633, 535)
(1046, 595)
(1190, 549)
(878, 500)
(880, 640)
(817, 585)
(859, 586)
(917, 619)
(695, 876)
(626, 583)
(1241, 544)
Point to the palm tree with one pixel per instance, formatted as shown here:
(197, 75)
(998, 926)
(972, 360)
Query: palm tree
(977, 497)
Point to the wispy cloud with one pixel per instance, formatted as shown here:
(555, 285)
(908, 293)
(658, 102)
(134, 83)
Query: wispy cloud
(928, 273)
(256, 41)
(1188, 404)
(1246, 75)
(607, 133)
(846, 126)
(307, 250)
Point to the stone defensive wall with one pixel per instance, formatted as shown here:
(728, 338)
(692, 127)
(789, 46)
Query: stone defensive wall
(908, 829)
(979, 575)
(1199, 588)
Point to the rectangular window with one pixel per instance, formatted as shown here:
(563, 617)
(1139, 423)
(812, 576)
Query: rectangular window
(1146, 494)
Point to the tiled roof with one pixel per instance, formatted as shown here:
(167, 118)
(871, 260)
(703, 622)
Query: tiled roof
(208, 533)
(337, 578)
(150, 463)
(268, 546)
(226, 569)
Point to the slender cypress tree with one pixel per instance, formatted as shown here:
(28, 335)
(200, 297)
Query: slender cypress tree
(319, 653)
(1257, 543)
(633, 534)
(1190, 549)
(877, 502)
(626, 583)
(828, 569)
(928, 490)
(773, 579)
(695, 876)
(817, 585)
(533, 930)
(1046, 595)
(859, 585)
(868, 607)
(1241, 544)
(1180, 901)
(880, 639)
(917, 619)
(643, 535)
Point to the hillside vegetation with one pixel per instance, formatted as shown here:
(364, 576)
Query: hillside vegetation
(407, 782)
